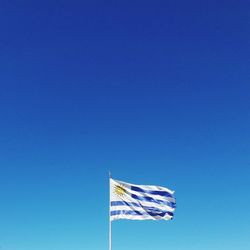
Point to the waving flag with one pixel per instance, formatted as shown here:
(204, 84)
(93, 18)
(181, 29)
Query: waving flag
(140, 202)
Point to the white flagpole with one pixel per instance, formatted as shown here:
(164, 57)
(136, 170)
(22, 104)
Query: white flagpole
(110, 224)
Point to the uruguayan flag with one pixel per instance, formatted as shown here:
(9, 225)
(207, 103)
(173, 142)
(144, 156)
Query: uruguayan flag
(139, 202)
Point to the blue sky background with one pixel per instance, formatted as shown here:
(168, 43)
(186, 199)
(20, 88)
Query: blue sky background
(156, 91)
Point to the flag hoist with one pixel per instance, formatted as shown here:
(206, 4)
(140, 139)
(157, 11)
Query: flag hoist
(139, 202)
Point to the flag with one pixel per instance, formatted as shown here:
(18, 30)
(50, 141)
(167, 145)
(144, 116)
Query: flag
(140, 202)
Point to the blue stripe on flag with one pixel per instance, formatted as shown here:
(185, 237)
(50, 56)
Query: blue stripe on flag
(150, 199)
(124, 203)
(135, 212)
(154, 192)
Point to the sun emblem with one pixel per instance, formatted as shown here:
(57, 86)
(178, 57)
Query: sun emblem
(119, 190)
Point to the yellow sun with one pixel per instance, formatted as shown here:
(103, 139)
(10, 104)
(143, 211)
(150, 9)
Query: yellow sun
(119, 190)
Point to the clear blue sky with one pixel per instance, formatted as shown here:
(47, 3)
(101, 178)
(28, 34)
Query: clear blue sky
(156, 91)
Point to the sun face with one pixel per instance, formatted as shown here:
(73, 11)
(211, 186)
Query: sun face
(119, 190)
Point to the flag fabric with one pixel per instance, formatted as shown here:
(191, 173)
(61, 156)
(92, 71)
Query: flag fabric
(140, 202)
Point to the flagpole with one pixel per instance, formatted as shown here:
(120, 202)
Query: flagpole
(110, 224)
